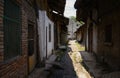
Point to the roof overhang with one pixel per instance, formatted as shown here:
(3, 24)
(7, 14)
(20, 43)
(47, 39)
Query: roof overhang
(57, 5)
(83, 7)
(60, 18)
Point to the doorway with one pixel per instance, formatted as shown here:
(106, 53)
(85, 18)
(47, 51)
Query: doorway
(90, 38)
(31, 47)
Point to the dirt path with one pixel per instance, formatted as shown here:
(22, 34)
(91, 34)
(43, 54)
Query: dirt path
(77, 59)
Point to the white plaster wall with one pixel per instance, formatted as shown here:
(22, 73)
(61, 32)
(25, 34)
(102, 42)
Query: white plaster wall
(44, 22)
(41, 33)
(50, 45)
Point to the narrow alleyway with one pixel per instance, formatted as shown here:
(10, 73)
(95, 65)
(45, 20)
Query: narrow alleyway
(72, 63)
(77, 59)
(36, 39)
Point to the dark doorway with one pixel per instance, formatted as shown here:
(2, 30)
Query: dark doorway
(90, 38)
(31, 47)
(55, 37)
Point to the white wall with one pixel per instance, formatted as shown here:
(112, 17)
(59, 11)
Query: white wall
(50, 45)
(44, 22)
(41, 33)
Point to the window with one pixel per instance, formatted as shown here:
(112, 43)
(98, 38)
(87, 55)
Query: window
(12, 30)
(49, 32)
(108, 34)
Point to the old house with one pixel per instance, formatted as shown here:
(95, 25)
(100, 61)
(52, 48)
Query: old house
(47, 27)
(51, 20)
(61, 23)
(28, 33)
(80, 34)
(46, 35)
(101, 29)
(18, 38)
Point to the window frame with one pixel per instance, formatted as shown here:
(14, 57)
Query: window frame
(108, 35)
(12, 21)
(50, 32)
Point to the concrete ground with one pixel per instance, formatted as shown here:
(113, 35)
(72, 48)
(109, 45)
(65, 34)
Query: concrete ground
(70, 65)
(71, 61)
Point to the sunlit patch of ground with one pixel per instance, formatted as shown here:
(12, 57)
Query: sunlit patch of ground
(80, 47)
(77, 59)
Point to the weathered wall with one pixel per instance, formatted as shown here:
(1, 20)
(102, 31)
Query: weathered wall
(110, 51)
(95, 38)
(43, 25)
(106, 13)
(41, 33)
(50, 44)
(17, 67)
(87, 33)
(63, 34)
(79, 35)
(30, 19)
(94, 33)
(58, 32)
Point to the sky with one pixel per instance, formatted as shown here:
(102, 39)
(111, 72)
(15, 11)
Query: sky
(69, 9)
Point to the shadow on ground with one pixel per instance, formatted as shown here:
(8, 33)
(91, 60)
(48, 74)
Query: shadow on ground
(67, 72)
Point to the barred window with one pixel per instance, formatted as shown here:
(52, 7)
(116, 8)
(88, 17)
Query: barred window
(12, 29)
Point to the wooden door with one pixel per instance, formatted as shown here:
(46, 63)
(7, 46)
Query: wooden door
(31, 47)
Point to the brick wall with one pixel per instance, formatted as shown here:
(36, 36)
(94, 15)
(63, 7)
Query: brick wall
(17, 67)
(1, 31)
